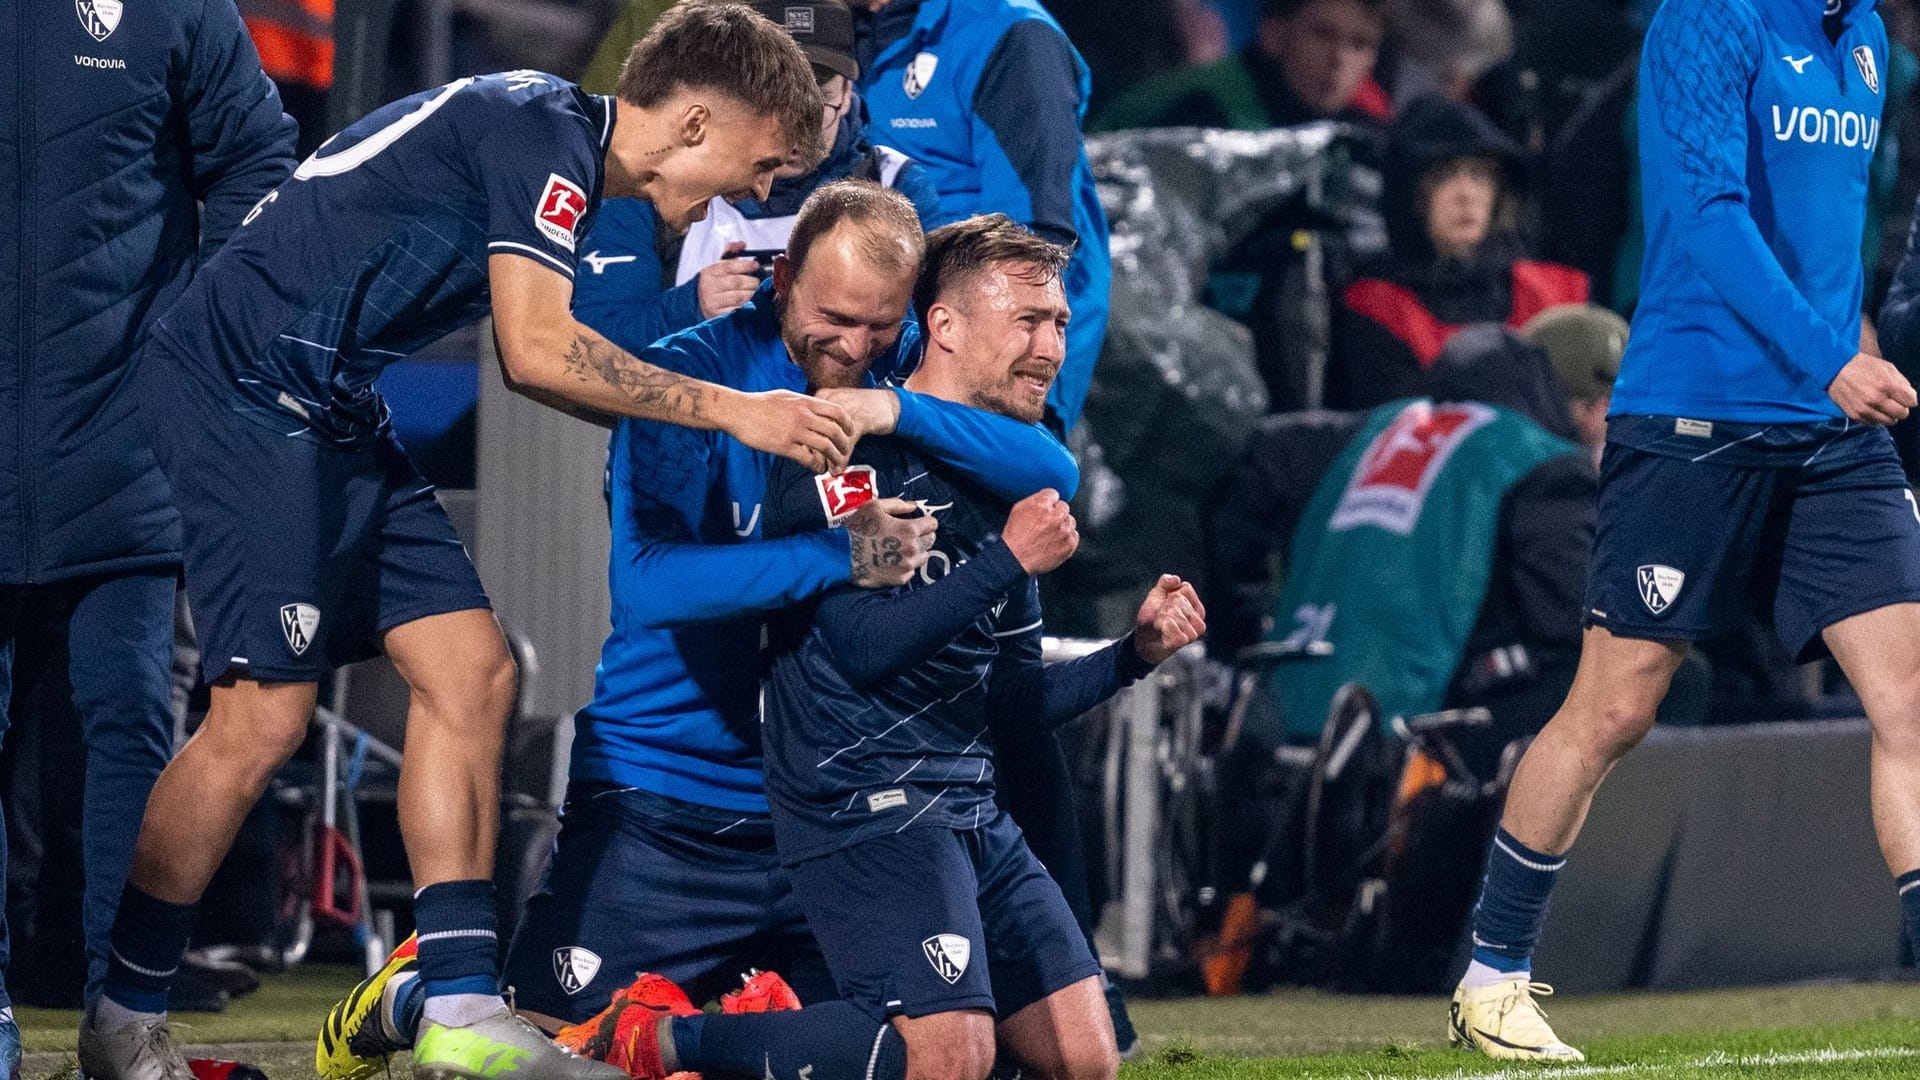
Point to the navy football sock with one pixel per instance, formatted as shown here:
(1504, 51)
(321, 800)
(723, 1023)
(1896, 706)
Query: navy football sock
(1513, 903)
(1909, 886)
(832, 1038)
(149, 938)
(458, 944)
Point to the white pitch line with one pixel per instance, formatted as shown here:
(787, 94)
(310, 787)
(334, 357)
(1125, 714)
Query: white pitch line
(1711, 1061)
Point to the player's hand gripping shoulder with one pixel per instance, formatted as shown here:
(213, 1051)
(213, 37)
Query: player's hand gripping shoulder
(890, 539)
(811, 431)
(1872, 391)
(870, 412)
(1041, 532)
(1170, 619)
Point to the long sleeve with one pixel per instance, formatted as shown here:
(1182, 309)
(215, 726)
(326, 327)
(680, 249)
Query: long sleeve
(875, 635)
(620, 289)
(1027, 696)
(1700, 61)
(240, 143)
(1006, 457)
(1029, 99)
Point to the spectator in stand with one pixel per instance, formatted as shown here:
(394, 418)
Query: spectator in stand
(1444, 46)
(1312, 60)
(1585, 343)
(638, 283)
(1452, 184)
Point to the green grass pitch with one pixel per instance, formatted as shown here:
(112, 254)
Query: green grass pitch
(1815, 1031)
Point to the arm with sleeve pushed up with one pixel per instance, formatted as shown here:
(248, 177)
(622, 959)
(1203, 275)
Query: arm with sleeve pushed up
(877, 634)
(619, 289)
(1700, 60)
(1027, 695)
(239, 141)
(1006, 457)
(660, 475)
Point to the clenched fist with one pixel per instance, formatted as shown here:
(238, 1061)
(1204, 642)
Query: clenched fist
(1041, 532)
(1170, 619)
(1872, 391)
(890, 541)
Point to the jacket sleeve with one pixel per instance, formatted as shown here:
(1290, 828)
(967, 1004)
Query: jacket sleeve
(877, 634)
(240, 143)
(1701, 56)
(619, 286)
(664, 575)
(1029, 98)
(1899, 322)
(1011, 459)
(1028, 696)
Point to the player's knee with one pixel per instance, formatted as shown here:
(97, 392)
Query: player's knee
(254, 743)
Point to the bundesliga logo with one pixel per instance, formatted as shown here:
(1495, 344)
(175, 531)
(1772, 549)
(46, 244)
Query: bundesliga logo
(562, 205)
(841, 495)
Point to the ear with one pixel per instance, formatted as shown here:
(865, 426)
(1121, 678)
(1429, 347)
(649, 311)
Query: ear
(942, 326)
(695, 122)
(782, 276)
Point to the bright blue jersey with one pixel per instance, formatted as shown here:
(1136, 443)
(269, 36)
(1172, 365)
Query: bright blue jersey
(1757, 135)
(675, 709)
(378, 245)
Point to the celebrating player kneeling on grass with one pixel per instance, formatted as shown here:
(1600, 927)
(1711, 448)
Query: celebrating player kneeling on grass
(1747, 456)
(882, 716)
(311, 541)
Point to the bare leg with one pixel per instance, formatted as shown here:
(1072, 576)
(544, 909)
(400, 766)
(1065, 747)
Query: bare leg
(1619, 685)
(1880, 652)
(1067, 1035)
(205, 792)
(462, 681)
(948, 1046)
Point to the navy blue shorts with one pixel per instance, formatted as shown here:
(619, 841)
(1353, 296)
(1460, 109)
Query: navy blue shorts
(932, 920)
(299, 554)
(1805, 524)
(640, 882)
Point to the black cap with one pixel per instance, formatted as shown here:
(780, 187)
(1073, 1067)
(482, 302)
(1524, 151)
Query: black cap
(824, 29)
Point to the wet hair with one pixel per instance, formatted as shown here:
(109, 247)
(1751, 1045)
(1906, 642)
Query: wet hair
(729, 48)
(958, 252)
(889, 226)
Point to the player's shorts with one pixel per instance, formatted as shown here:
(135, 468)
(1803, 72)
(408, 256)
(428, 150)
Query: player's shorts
(932, 920)
(640, 882)
(1807, 524)
(299, 554)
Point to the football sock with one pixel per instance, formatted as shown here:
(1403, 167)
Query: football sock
(149, 938)
(458, 951)
(832, 1038)
(404, 1021)
(1512, 907)
(1909, 886)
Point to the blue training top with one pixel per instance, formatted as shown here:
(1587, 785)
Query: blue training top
(378, 245)
(1757, 133)
(675, 709)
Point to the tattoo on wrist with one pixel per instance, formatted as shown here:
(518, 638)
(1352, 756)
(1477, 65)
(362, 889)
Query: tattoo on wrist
(655, 391)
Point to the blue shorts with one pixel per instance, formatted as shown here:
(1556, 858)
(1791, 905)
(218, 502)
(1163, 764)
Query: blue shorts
(932, 920)
(640, 882)
(300, 554)
(1807, 524)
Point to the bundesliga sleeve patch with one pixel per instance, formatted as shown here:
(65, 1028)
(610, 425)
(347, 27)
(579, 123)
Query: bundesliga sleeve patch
(841, 495)
(562, 205)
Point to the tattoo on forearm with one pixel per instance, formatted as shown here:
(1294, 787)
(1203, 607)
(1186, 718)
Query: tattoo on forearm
(655, 391)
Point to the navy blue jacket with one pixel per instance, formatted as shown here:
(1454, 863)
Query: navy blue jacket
(113, 135)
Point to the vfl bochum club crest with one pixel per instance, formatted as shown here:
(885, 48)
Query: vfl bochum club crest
(299, 622)
(1863, 59)
(1660, 587)
(920, 74)
(948, 953)
(99, 17)
(574, 967)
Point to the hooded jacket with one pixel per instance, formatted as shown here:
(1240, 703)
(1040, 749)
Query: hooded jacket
(135, 138)
(1405, 306)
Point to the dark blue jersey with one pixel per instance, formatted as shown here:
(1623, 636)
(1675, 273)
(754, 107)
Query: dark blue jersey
(378, 245)
(881, 708)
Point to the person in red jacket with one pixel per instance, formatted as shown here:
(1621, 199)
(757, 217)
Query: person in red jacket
(1452, 182)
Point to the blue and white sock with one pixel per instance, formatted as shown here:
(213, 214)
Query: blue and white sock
(149, 937)
(459, 952)
(1512, 908)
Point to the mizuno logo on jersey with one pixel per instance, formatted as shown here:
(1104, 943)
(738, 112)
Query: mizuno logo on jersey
(562, 205)
(1799, 66)
(1830, 126)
